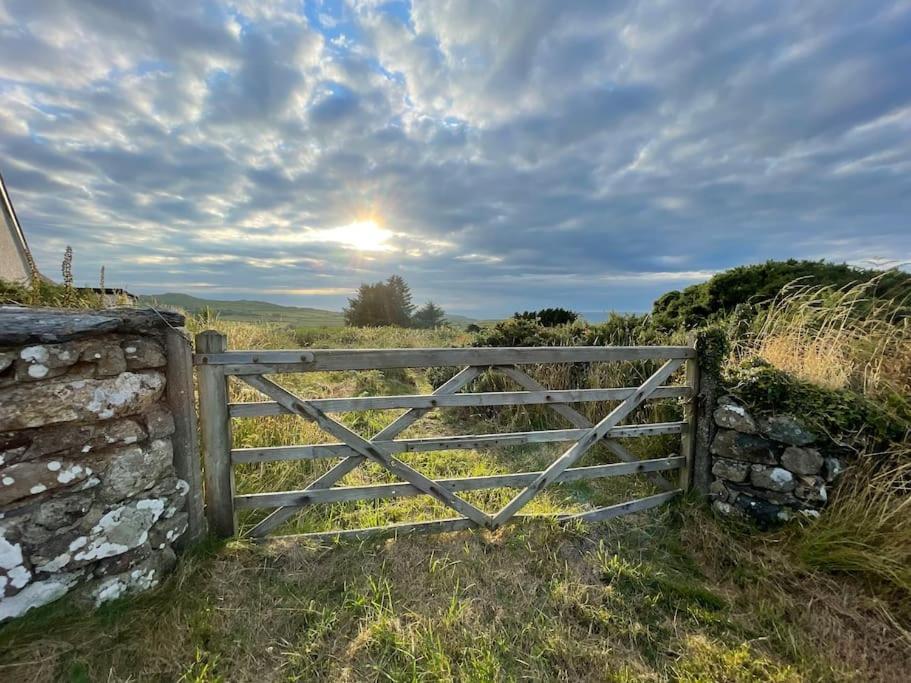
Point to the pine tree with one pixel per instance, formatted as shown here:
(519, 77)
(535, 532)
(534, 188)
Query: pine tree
(429, 316)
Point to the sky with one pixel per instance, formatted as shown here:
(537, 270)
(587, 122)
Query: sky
(499, 155)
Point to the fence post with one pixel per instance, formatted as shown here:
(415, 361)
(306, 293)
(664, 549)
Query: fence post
(690, 414)
(182, 402)
(216, 434)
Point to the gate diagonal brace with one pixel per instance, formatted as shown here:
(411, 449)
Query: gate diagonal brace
(577, 419)
(342, 468)
(578, 449)
(366, 449)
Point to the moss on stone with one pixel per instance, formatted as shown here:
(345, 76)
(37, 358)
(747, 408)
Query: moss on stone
(841, 414)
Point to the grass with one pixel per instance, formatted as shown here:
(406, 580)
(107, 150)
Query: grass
(671, 594)
(249, 311)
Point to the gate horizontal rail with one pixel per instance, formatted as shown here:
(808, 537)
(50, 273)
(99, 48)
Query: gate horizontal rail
(215, 365)
(446, 443)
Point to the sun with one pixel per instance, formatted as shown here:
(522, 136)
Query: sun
(363, 235)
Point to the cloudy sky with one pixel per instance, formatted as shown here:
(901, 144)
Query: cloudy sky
(499, 155)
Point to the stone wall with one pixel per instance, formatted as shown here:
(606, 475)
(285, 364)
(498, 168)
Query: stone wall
(770, 468)
(90, 501)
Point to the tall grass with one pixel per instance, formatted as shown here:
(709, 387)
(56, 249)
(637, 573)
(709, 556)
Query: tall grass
(845, 339)
(866, 529)
(837, 338)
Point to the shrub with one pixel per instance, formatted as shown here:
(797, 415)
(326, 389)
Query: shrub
(756, 285)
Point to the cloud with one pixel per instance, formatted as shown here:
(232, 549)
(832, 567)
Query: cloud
(509, 155)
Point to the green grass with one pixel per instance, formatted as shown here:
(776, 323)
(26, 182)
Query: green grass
(665, 595)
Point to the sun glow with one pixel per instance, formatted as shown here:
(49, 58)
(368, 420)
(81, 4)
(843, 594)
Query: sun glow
(365, 235)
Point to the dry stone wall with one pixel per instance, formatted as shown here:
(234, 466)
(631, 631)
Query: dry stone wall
(770, 468)
(89, 498)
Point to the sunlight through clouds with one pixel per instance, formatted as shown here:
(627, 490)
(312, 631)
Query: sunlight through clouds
(480, 150)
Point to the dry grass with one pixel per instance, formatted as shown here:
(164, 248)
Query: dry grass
(837, 338)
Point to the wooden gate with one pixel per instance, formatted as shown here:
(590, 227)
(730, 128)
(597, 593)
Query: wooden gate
(215, 365)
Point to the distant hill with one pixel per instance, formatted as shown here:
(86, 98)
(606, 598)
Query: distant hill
(262, 311)
(249, 311)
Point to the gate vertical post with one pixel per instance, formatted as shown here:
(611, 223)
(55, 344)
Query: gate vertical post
(216, 434)
(690, 413)
(182, 402)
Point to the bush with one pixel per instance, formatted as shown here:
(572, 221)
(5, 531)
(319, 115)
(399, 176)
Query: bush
(755, 286)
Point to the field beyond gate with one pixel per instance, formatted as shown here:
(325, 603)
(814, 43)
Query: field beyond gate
(216, 365)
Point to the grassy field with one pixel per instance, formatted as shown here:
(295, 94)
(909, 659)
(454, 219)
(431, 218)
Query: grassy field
(248, 311)
(670, 594)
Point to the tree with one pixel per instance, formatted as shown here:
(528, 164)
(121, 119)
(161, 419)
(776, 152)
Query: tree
(429, 316)
(380, 303)
(401, 309)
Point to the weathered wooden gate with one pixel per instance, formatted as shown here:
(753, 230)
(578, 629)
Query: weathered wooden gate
(216, 364)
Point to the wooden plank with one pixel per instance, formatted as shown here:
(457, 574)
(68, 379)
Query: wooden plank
(366, 448)
(480, 399)
(216, 432)
(182, 402)
(582, 446)
(254, 357)
(688, 440)
(400, 424)
(461, 524)
(578, 419)
(400, 529)
(621, 508)
(623, 454)
(377, 359)
(443, 443)
(403, 490)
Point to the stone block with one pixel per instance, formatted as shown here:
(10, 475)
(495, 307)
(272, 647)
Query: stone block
(732, 470)
(44, 361)
(802, 460)
(7, 358)
(762, 511)
(33, 478)
(134, 469)
(141, 577)
(811, 489)
(143, 353)
(72, 439)
(787, 429)
(27, 406)
(166, 531)
(731, 415)
(106, 355)
(735, 445)
(772, 478)
(159, 421)
(36, 594)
